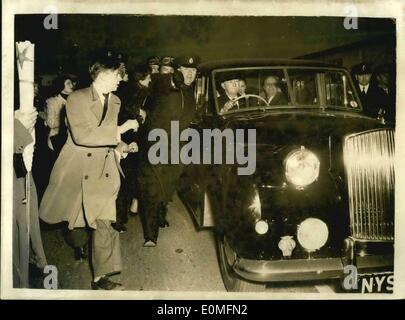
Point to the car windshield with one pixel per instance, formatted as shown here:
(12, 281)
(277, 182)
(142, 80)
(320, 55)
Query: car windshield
(241, 89)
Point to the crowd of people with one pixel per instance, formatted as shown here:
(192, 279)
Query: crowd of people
(91, 162)
(91, 166)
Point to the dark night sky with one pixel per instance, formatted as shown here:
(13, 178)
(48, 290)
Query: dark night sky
(211, 37)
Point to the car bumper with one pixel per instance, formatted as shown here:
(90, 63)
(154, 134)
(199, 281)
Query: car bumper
(313, 269)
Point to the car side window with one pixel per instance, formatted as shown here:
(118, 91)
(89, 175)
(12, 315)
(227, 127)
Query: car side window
(238, 89)
(201, 95)
(303, 84)
(199, 90)
(338, 92)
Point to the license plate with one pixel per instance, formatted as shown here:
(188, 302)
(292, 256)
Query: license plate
(376, 282)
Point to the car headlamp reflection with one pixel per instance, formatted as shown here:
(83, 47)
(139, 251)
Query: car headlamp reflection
(255, 208)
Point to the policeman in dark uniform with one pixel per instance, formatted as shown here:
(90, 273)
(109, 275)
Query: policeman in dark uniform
(386, 76)
(173, 101)
(153, 64)
(133, 107)
(371, 95)
(167, 65)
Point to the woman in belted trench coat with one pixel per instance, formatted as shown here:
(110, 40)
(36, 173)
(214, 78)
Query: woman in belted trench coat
(85, 179)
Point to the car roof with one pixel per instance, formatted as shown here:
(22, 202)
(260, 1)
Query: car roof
(235, 63)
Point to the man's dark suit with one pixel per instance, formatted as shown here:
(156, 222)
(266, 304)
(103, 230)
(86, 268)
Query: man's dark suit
(373, 100)
(157, 183)
(390, 111)
(241, 103)
(278, 99)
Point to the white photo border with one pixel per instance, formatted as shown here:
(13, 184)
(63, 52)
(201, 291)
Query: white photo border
(367, 8)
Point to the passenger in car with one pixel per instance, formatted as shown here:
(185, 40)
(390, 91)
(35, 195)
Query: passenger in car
(272, 92)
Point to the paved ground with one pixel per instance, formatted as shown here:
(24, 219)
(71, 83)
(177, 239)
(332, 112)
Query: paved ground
(184, 260)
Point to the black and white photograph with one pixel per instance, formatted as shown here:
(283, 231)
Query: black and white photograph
(178, 149)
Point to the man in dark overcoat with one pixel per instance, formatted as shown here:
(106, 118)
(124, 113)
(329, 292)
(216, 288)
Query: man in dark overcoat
(386, 76)
(174, 103)
(372, 97)
(134, 106)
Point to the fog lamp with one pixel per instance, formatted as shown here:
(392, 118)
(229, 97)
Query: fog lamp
(261, 227)
(312, 234)
(301, 167)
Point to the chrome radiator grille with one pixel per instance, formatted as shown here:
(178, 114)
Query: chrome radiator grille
(369, 163)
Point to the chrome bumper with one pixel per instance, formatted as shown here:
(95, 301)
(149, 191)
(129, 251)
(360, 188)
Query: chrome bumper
(288, 270)
(312, 269)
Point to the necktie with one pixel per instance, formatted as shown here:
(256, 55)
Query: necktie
(105, 107)
(64, 96)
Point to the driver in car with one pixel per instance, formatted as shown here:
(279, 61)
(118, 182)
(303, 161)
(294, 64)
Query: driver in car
(230, 85)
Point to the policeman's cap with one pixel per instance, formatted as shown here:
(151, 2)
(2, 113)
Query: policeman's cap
(153, 61)
(122, 57)
(188, 61)
(140, 71)
(362, 68)
(167, 61)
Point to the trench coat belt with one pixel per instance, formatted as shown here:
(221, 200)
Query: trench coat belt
(111, 152)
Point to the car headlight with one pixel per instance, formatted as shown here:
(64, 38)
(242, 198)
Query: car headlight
(312, 234)
(301, 167)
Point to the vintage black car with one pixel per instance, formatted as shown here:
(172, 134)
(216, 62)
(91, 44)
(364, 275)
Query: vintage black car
(321, 197)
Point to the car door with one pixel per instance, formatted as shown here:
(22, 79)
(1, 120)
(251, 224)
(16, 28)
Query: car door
(197, 177)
